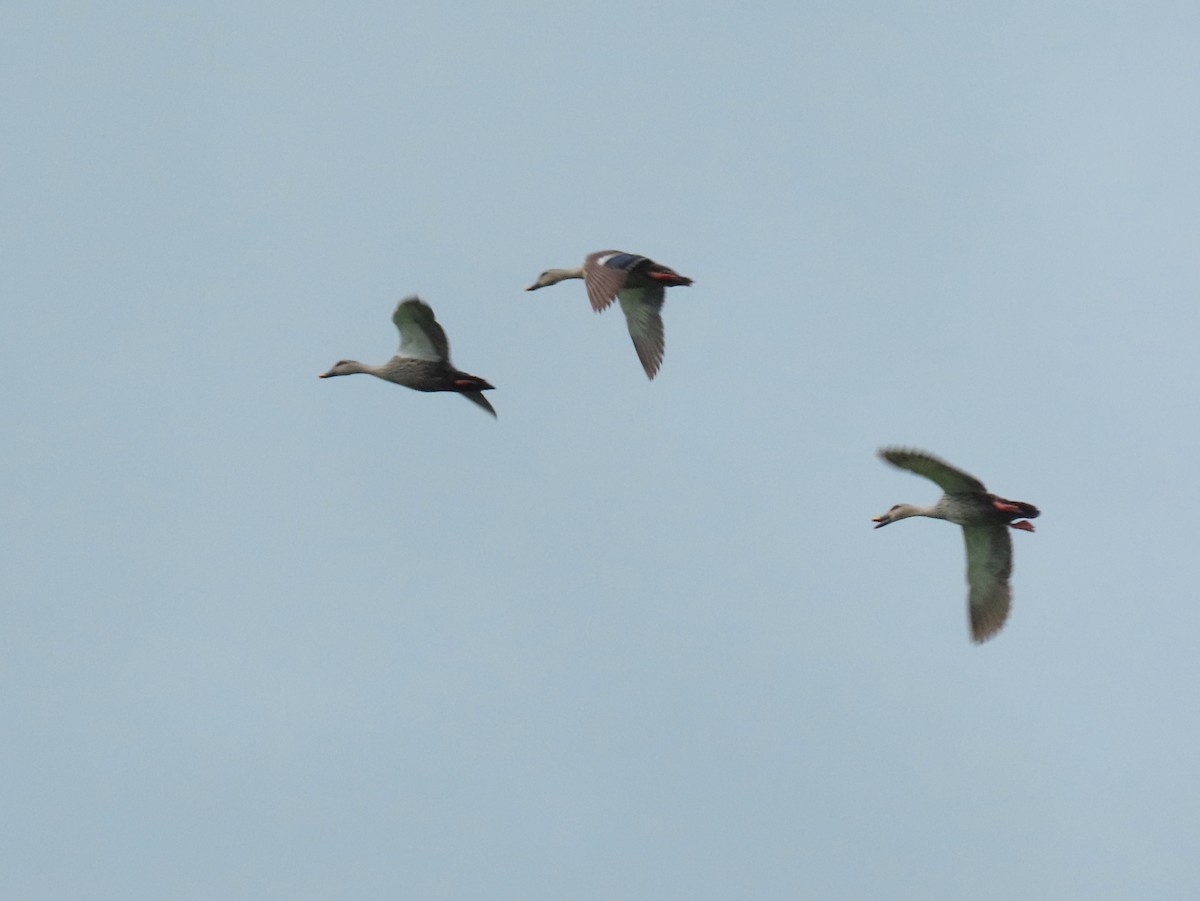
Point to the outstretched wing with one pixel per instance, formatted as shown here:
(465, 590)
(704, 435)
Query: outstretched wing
(604, 275)
(947, 477)
(989, 564)
(643, 316)
(420, 335)
(476, 397)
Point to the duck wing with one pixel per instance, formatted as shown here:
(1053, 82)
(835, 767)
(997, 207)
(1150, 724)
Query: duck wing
(476, 397)
(605, 273)
(643, 316)
(420, 335)
(989, 564)
(949, 478)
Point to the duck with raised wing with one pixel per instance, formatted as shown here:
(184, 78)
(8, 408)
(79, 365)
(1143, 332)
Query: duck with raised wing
(985, 519)
(423, 361)
(638, 283)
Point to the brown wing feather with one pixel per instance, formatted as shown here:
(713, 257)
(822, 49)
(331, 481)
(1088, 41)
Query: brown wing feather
(476, 397)
(643, 316)
(989, 565)
(602, 282)
(419, 330)
(950, 479)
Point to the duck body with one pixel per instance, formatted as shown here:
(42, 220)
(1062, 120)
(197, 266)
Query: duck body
(985, 519)
(420, 375)
(423, 362)
(968, 509)
(638, 283)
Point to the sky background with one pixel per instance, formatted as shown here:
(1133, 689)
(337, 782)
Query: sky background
(270, 637)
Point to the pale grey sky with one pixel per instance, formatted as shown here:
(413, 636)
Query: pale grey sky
(272, 637)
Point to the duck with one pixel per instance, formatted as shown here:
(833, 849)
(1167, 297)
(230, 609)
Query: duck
(985, 519)
(423, 360)
(638, 283)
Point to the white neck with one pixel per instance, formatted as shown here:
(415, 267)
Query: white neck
(554, 276)
(904, 511)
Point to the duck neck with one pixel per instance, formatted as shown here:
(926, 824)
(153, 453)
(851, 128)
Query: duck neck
(904, 511)
(554, 276)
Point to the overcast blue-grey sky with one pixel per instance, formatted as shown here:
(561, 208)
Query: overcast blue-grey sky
(270, 637)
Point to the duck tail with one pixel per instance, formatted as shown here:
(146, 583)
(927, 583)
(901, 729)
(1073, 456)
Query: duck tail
(1015, 509)
(1029, 511)
(670, 279)
(467, 383)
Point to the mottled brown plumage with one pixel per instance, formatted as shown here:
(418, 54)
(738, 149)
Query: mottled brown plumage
(985, 519)
(638, 283)
(423, 361)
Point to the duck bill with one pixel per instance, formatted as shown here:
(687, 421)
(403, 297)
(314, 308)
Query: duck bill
(880, 521)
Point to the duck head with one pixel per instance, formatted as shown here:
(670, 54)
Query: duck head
(553, 277)
(342, 367)
(899, 511)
